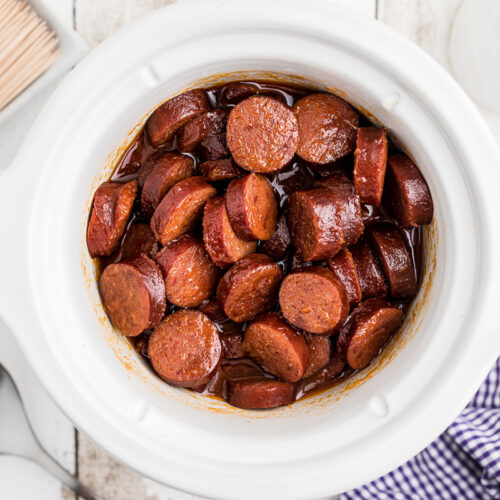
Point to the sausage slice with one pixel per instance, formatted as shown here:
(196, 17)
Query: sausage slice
(406, 193)
(250, 287)
(345, 269)
(277, 347)
(180, 209)
(327, 128)
(252, 208)
(395, 260)
(319, 353)
(259, 394)
(199, 128)
(367, 330)
(280, 240)
(138, 240)
(233, 346)
(189, 273)
(167, 171)
(262, 134)
(233, 93)
(110, 213)
(185, 349)
(133, 295)
(173, 114)
(370, 164)
(214, 147)
(315, 223)
(314, 299)
(221, 242)
(350, 214)
(371, 279)
(220, 170)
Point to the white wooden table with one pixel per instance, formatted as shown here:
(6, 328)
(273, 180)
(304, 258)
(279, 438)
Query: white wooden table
(426, 22)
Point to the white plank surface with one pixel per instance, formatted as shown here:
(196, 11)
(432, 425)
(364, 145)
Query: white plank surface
(426, 22)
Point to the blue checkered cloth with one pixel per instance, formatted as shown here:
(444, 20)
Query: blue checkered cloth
(463, 463)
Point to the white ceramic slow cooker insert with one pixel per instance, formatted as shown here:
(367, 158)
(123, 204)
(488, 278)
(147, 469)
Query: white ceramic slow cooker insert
(318, 446)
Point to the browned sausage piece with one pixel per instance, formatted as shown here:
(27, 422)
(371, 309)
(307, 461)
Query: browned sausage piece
(213, 310)
(277, 347)
(133, 295)
(181, 208)
(167, 171)
(370, 164)
(314, 299)
(259, 394)
(232, 93)
(319, 353)
(221, 242)
(252, 208)
(220, 170)
(329, 372)
(262, 134)
(199, 128)
(350, 215)
(185, 349)
(371, 279)
(214, 147)
(394, 259)
(173, 114)
(138, 240)
(110, 213)
(189, 273)
(315, 224)
(280, 240)
(250, 287)
(327, 128)
(406, 193)
(367, 330)
(345, 269)
(233, 346)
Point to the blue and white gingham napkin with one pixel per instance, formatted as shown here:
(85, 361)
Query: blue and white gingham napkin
(463, 463)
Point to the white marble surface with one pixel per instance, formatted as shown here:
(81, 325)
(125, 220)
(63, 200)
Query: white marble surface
(426, 22)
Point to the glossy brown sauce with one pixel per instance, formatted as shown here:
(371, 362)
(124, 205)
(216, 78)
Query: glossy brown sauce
(297, 175)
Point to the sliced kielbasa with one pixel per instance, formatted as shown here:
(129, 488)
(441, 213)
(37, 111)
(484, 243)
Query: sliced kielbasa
(277, 347)
(174, 113)
(370, 164)
(199, 128)
(279, 242)
(367, 330)
(233, 93)
(181, 208)
(213, 310)
(327, 128)
(252, 208)
(110, 213)
(350, 213)
(319, 353)
(249, 287)
(406, 193)
(262, 134)
(329, 372)
(371, 279)
(394, 259)
(233, 345)
(259, 394)
(133, 295)
(315, 223)
(138, 240)
(214, 147)
(344, 267)
(166, 172)
(221, 242)
(185, 349)
(189, 273)
(314, 299)
(220, 170)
